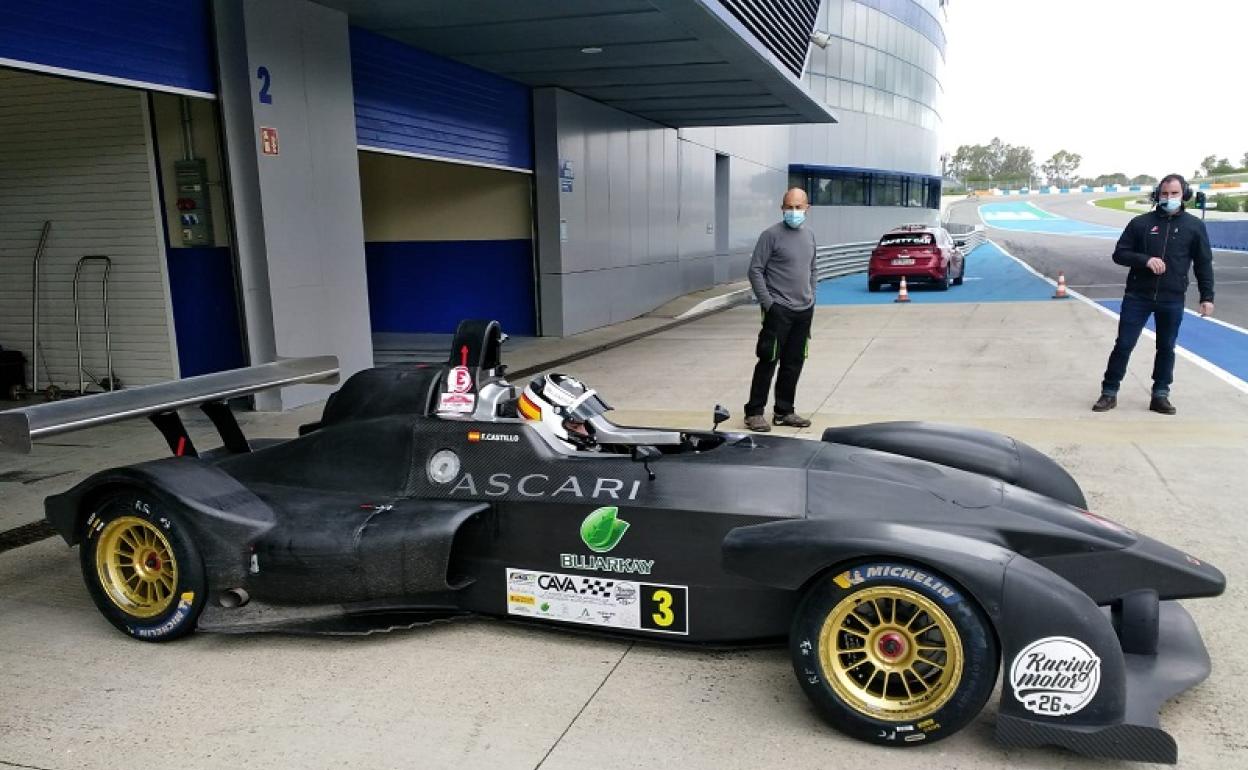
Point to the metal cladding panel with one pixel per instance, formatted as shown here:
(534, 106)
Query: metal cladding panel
(133, 42)
(413, 102)
(783, 26)
(913, 16)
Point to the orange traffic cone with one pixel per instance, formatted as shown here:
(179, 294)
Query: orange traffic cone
(1061, 286)
(902, 294)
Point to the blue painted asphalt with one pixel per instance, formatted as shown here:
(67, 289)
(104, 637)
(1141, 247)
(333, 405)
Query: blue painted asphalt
(1224, 347)
(1025, 216)
(991, 276)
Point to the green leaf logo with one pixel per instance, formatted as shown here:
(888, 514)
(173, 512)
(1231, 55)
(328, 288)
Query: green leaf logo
(601, 530)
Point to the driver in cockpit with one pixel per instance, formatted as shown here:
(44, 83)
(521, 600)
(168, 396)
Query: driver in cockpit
(564, 405)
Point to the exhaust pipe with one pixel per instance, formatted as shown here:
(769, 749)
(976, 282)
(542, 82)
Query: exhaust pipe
(233, 598)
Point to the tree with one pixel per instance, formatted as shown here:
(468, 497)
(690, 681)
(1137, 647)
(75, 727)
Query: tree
(1116, 178)
(973, 161)
(1223, 167)
(996, 161)
(1206, 165)
(1244, 161)
(1017, 163)
(1061, 168)
(1144, 179)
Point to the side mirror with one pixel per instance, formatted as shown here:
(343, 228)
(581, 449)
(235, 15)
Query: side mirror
(720, 414)
(644, 453)
(959, 244)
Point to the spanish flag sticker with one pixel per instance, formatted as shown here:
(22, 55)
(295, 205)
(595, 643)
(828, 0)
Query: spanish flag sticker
(528, 409)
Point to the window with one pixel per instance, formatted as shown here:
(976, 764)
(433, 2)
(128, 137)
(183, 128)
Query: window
(907, 239)
(916, 192)
(861, 187)
(886, 191)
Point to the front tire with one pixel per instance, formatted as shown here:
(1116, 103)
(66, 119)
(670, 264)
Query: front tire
(893, 654)
(142, 569)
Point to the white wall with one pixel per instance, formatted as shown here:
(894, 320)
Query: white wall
(859, 140)
(639, 219)
(299, 224)
(80, 154)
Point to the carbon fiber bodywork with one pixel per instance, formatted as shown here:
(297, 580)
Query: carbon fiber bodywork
(387, 506)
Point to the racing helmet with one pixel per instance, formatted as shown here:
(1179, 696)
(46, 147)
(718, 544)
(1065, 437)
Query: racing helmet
(563, 404)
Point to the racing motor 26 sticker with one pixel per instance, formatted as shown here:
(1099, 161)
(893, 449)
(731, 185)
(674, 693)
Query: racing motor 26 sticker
(1055, 676)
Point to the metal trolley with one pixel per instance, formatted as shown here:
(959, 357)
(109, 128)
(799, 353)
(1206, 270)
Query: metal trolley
(109, 380)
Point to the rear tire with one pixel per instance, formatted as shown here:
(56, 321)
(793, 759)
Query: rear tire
(141, 567)
(892, 659)
(943, 284)
(961, 275)
(873, 285)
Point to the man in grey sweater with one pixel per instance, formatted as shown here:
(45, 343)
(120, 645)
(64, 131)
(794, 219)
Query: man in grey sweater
(782, 274)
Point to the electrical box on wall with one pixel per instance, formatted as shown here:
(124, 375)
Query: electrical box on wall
(194, 206)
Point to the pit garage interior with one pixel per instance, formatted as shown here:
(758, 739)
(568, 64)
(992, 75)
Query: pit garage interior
(286, 178)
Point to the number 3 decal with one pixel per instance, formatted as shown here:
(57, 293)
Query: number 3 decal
(663, 601)
(262, 74)
(665, 608)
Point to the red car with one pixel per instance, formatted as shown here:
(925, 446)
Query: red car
(920, 254)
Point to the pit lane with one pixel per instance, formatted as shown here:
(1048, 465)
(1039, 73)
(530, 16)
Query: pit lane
(481, 693)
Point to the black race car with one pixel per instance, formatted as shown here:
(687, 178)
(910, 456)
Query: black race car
(905, 563)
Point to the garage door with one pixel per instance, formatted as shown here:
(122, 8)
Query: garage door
(146, 43)
(80, 156)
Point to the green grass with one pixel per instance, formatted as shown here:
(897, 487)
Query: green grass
(1119, 203)
(1238, 200)
(1243, 177)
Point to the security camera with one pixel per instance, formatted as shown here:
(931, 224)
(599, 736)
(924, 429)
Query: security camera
(820, 39)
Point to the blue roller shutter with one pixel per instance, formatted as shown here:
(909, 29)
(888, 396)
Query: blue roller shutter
(145, 43)
(411, 102)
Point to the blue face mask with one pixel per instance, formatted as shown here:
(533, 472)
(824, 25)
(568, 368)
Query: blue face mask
(794, 218)
(1171, 205)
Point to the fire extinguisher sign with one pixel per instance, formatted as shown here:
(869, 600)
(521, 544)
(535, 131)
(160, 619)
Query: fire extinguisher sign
(268, 140)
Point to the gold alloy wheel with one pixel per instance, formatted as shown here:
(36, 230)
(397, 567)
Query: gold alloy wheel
(891, 653)
(136, 567)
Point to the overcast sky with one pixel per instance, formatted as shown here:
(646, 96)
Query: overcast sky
(1104, 78)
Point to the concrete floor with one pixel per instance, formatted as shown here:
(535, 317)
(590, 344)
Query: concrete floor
(74, 693)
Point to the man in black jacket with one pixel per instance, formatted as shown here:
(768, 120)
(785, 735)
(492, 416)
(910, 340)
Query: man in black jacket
(1160, 247)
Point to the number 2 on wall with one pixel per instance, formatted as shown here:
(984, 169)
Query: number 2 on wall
(262, 74)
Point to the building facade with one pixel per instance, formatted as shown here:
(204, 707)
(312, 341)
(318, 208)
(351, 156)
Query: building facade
(287, 177)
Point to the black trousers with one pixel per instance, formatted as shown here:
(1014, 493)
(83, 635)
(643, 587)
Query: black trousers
(782, 340)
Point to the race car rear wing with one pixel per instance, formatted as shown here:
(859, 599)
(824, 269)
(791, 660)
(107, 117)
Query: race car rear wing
(20, 427)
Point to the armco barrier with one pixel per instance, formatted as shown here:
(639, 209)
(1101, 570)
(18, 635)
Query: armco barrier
(1050, 190)
(842, 259)
(1228, 235)
(973, 235)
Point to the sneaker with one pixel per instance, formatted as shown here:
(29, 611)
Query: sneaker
(1105, 403)
(757, 423)
(1162, 405)
(790, 420)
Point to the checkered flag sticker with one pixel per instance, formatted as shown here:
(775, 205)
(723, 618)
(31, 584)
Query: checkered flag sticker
(597, 587)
